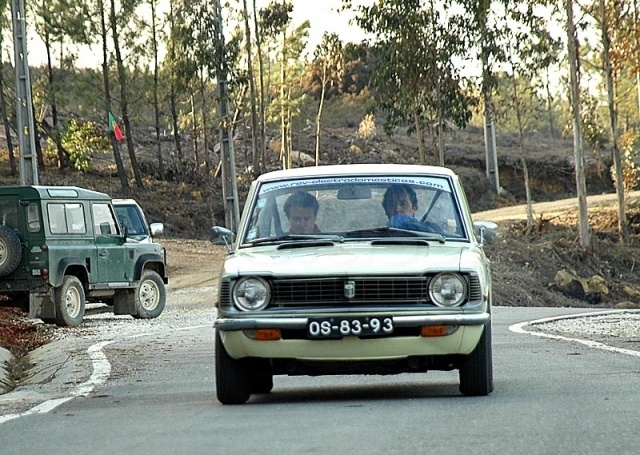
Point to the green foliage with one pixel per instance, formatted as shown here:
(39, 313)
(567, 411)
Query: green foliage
(78, 141)
(414, 78)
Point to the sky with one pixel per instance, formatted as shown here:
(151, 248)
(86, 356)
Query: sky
(322, 14)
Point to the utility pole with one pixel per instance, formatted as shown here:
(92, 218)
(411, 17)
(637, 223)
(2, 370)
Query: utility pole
(229, 185)
(24, 106)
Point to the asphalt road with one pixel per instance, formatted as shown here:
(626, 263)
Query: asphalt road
(152, 391)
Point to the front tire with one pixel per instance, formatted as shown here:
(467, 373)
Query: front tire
(232, 381)
(476, 371)
(151, 295)
(70, 302)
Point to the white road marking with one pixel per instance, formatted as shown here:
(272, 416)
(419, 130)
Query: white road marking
(101, 369)
(518, 328)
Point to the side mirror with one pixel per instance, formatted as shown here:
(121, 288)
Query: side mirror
(221, 236)
(486, 231)
(156, 228)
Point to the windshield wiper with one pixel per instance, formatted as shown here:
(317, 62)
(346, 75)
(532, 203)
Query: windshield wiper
(287, 236)
(391, 232)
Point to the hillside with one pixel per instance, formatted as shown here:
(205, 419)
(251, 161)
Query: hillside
(524, 261)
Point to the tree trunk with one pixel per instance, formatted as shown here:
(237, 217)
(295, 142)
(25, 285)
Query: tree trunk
(156, 103)
(420, 136)
(124, 101)
(252, 93)
(613, 124)
(319, 116)
(581, 184)
(124, 182)
(7, 127)
(63, 158)
(263, 133)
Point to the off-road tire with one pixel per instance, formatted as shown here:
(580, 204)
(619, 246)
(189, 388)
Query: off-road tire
(476, 370)
(151, 295)
(10, 250)
(70, 302)
(232, 380)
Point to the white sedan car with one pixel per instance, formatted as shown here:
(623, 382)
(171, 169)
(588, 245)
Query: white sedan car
(353, 269)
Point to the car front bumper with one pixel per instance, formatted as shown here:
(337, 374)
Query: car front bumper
(462, 340)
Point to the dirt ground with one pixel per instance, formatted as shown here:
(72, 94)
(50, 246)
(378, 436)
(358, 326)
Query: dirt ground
(524, 259)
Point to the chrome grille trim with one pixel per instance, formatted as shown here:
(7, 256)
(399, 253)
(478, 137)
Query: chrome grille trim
(475, 289)
(225, 293)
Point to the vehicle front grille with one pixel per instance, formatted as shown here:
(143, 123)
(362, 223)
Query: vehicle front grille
(337, 290)
(318, 292)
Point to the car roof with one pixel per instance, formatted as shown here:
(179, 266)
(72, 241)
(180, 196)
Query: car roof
(52, 192)
(356, 169)
(125, 202)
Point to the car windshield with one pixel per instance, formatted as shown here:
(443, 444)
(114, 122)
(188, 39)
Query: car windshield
(354, 208)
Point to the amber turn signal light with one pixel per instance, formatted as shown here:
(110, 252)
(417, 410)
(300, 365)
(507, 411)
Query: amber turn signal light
(268, 334)
(433, 330)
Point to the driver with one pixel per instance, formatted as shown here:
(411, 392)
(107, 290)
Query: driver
(400, 204)
(301, 209)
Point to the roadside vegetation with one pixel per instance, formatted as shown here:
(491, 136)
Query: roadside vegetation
(428, 87)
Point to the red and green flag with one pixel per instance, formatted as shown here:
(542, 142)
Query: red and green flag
(114, 128)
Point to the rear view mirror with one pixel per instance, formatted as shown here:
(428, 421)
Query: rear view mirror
(354, 192)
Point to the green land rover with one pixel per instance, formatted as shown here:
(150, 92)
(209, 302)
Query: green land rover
(62, 246)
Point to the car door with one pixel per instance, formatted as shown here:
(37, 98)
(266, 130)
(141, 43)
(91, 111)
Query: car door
(109, 244)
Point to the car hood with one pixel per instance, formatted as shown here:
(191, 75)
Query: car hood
(345, 259)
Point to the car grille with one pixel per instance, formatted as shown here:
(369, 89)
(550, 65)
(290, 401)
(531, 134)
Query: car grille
(370, 290)
(325, 291)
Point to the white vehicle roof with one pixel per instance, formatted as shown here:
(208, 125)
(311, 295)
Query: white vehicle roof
(356, 169)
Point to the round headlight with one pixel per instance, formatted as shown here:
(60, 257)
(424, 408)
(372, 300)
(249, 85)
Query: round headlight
(447, 289)
(251, 294)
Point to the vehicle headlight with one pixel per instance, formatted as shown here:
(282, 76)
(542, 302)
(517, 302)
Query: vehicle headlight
(447, 289)
(251, 294)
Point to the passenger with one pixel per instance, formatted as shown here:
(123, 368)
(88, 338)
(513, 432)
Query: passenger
(301, 209)
(400, 204)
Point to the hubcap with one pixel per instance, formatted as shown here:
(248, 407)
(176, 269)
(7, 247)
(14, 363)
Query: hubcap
(149, 295)
(72, 302)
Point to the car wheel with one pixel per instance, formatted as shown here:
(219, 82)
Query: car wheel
(476, 371)
(70, 302)
(232, 381)
(151, 295)
(10, 250)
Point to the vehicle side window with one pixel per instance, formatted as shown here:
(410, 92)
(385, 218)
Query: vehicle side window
(66, 218)
(33, 218)
(9, 215)
(104, 221)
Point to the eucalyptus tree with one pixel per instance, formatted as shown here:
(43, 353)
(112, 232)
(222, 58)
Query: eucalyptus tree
(415, 81)
(57, 22)
(106, 81)
(117, 22)
(195, 62)
(261, 111)
(618, 48)
(578, 152)
(153, 4)
(169, 64)
(610, 19)
(329, 63)
(529, 50)
(255, 130)
(275, 19)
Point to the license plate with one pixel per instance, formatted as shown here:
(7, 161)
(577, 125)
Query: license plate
(346, 326)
